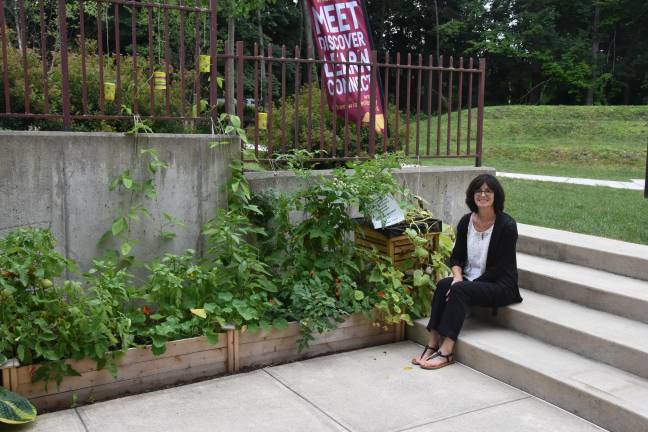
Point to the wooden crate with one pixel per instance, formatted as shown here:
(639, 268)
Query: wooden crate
(399, 248)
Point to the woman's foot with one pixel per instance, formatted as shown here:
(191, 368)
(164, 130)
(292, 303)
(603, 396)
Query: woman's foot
(437, 360)
(426, 352)
(429, 349)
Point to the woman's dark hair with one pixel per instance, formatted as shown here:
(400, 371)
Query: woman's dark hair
(493, 184)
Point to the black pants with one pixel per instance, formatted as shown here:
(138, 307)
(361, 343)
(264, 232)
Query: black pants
(447, 317)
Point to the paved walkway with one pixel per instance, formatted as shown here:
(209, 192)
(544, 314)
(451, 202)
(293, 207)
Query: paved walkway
(635, 184)
(374, 389)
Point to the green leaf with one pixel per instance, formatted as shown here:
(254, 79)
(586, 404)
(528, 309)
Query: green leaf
(118, 226)
(125, 248)
(420, 252)
(100, 350)
(21, 353)
(280, 323)
(168, 235)
(68, 370)
(158, 350)
(48, 336)
(421, 278)
(375, 277)
(211, 336)
(127, 182)
(265, 325)
(15, 409)
(49, 354)
(267, 285)
(358, 295)
(158, 341)
(112, 369)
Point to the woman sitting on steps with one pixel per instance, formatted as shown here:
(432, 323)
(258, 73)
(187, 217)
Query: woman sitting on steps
(484, 270)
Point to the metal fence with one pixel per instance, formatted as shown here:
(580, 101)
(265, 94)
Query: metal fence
(154, 80)
(434, 109)
(112, 59)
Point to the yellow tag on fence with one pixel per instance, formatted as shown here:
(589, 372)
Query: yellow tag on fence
(159, 80)
(109, 91)
(205, 63)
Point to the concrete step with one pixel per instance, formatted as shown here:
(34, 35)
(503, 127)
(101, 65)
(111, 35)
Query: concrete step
(596, 289)
(623, 258)
(609, 397)
(617, 341)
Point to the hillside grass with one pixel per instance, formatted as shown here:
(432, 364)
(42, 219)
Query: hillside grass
(603, 142)
(601, 211)
(574, 141)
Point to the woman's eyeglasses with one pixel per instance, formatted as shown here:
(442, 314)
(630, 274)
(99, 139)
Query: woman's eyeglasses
(483, 191)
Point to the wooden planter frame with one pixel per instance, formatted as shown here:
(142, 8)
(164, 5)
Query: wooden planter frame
(186, 360)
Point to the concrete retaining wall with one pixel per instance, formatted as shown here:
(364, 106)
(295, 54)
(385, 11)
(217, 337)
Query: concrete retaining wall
(60, 181)
(443, 187)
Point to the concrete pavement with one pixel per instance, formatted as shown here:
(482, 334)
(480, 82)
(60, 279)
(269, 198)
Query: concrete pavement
(634, 184)
(373, 389)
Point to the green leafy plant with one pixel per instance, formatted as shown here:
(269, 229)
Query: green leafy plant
(315, 258)
(139, 190)
(44, 321)
(15, 409)
(229, 124)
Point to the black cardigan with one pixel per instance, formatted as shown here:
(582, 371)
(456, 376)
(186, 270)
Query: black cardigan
(501, 265)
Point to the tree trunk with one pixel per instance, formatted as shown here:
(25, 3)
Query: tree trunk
(308, 29)
(308, 36)
(589, 99)
(230, 106)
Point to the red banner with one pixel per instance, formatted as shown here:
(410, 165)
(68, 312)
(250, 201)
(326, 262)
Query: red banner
(341, 34)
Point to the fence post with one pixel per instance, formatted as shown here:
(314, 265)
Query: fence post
(239, 80)
(213, 6)
(372, 103)
(480, 111)
(65, 78)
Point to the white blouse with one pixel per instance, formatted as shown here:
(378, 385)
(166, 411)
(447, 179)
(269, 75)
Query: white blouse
(477, 251)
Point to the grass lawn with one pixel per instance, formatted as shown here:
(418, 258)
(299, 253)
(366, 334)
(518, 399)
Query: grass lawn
(614, 213)
(604, 142)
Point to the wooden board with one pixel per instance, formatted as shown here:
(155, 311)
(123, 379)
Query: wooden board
(274, 347)
(137, 370)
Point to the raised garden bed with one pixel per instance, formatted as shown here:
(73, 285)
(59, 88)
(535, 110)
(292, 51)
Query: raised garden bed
(187, 360)
(138, 370)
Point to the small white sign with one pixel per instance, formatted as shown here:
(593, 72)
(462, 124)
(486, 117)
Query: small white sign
(387, 213)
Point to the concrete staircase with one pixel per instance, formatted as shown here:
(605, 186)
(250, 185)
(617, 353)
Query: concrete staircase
(579, 339)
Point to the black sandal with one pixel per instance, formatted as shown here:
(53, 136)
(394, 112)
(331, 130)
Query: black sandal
(415, 360)
(448, 357)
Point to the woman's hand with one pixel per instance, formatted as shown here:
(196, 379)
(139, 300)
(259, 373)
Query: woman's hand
(457, 277)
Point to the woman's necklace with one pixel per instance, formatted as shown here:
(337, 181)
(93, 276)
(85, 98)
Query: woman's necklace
(482, 226)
